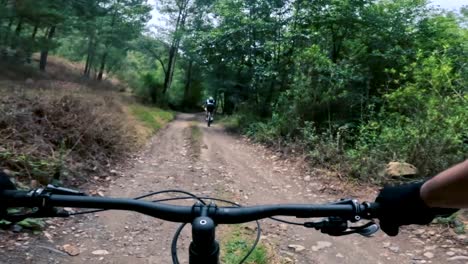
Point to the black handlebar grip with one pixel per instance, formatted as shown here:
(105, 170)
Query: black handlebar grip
(374, 210)
(5, 182)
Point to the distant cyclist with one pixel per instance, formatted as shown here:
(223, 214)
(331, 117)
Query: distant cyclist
(210, 106)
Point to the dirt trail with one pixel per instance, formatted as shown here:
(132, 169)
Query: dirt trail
(225, 166)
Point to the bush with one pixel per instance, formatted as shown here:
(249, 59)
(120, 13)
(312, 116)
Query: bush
(322, 149)
(264, 133)
(151, 90)
(428, 144)
(423, 123)
(52, 135)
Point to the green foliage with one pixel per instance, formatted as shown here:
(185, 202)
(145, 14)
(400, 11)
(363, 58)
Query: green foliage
(454, 221)
(363, 82)
(4, 223)
(324, 148)
(263, 132)
(85, 30)
(42, 169)
(153, 118)
(423, 122)
(35, 224)
(236, 246)
(355, 84)
(232, 123)
(151, 87)
(175, 96)
(136, 65)
(32, 223)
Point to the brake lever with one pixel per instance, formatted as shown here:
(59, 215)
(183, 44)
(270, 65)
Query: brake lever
(339, 227)
(42, 212)
(333, 226)
(368, 230)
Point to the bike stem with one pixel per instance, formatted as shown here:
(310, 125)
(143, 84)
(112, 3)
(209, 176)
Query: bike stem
(204, 249)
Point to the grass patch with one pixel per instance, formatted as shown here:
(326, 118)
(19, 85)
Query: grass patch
(231, 123)
(152, 118)
(196, 138)
(457, 221)
(195, 133)
(237, 241)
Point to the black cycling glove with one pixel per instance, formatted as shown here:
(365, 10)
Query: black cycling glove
(403, 205)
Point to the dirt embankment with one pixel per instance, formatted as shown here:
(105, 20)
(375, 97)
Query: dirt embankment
(57, 126)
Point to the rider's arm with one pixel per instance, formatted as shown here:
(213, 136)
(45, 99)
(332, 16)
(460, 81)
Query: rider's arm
(420, 202)
(448, 189)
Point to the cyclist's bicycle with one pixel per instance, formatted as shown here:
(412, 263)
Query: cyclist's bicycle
(209, 119)
(203, 216)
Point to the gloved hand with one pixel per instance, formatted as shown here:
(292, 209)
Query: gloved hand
(5, 182)
(403, 205)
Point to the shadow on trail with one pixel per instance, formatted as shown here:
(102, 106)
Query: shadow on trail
(197, 117)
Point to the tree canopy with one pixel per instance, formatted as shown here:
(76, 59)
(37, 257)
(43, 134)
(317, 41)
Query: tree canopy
(385, 79)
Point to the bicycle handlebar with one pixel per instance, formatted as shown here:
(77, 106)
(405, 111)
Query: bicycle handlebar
(204, 218)
(349, 210)
(251, 213)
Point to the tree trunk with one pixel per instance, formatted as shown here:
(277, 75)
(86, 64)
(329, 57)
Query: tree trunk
(45, 51)
(30, 48)
(6, 31)
(85, 73)
(188, 83)
(103, 66)
(19, 28)
(167, 77)
(266, 109)
(106, 47)
(175, 47)
(7, 34)
(91, 61)
(89, 56)
(221, 102)
(174, 58)
(336, 45)
(34, 33)
(228, 104)
(273, 81)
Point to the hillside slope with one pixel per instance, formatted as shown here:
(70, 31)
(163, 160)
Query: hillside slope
(58, 126)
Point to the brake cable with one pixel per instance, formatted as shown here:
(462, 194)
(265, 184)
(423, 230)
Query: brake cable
(191, 195)
(59, 190)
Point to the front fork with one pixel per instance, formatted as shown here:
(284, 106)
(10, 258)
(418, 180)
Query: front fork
(204, 249)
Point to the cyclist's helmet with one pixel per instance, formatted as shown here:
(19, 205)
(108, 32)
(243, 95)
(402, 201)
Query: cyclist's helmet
(211, 99)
